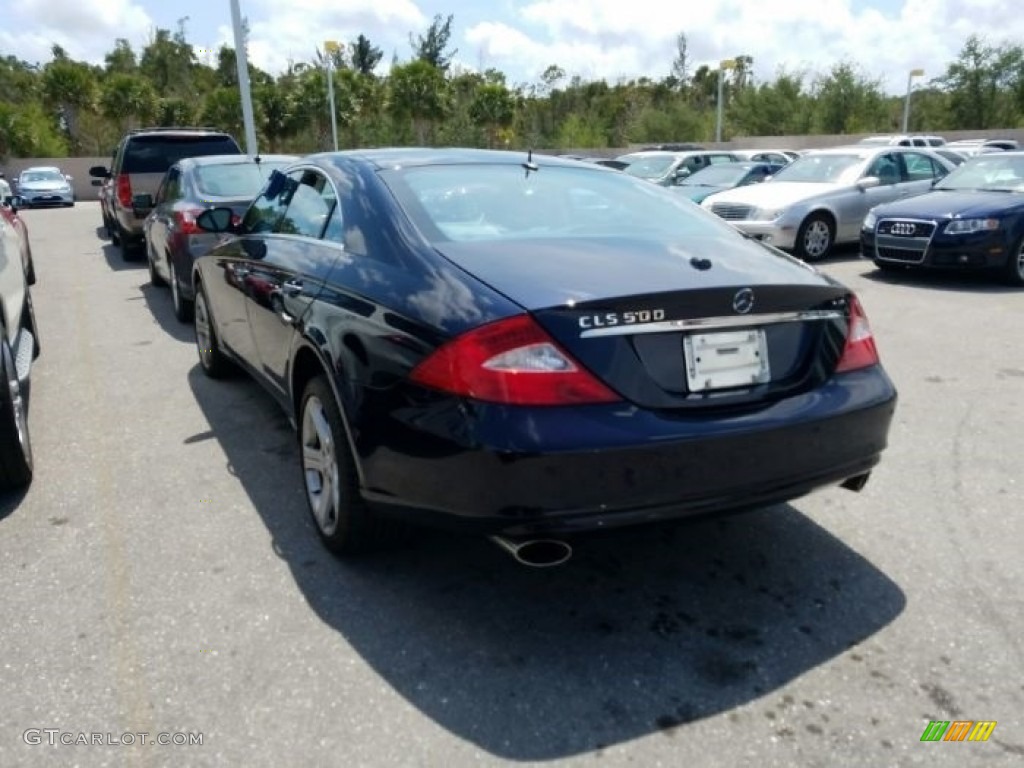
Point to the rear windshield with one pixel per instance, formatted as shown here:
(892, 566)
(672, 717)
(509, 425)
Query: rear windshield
(505, 202)
(234, 179)
(155, 154)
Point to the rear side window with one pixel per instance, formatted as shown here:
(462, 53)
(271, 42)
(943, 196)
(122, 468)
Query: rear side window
(242, 180)
(155, 154)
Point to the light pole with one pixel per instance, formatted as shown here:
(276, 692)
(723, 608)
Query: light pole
(723, 65)
(906, 104)
(242, 62)
(331, 48)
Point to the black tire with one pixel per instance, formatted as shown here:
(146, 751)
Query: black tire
(815, 238)
(112, 231)
(1013, 272)
(154, 276)
(30, 274)
(15, 445)
(211, 359)
(128, 248)
(184, 309)
(345, 522)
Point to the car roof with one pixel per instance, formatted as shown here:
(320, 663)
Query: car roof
(424, 156)
(41, 168)
(235, 159)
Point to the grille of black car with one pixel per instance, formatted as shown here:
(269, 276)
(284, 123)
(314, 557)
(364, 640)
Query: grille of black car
(904, 228)
(900, 254)
(732, 211)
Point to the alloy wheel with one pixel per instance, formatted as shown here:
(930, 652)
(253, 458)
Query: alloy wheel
(320, 466)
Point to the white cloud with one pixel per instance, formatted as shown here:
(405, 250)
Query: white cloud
(292, 31)
(86, 29)
(612, 38)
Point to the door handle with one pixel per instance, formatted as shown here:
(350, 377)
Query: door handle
(292, 287)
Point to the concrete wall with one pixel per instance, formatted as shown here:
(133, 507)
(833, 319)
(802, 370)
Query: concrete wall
(78, 167)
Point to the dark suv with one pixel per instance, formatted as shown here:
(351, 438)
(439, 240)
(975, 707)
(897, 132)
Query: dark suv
(139, 164)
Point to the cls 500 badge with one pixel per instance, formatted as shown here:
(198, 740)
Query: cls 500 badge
(609, 319)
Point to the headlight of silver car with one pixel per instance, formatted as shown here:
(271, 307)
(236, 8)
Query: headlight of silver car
(767, 214)
(967, 226)
(869, 221)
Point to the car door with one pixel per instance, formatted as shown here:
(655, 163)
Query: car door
(235, 260)
(919, 172)
(854, 202)
(160, 220)
(282, 285)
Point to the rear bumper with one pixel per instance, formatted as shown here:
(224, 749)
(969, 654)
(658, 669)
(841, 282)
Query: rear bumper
(526, 471)
(40, 199)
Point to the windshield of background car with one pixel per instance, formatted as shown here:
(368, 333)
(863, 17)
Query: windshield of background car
(650, 167)
(505, 202)
(30, 177)
(822, 169)
(993, 172)
(241, 180)
(157, 153)
(721, 175)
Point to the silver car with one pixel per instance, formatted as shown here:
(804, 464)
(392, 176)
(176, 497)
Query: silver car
(821, 198)
(44, 185)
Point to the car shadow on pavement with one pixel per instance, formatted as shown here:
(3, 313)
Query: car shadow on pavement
(643, 631)
(112, 253)
(939, 280)
(159, 302)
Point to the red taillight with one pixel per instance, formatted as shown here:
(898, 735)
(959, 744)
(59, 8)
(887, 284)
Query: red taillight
(511, 361)
(185, 221)
(124, 190)
(860, 350)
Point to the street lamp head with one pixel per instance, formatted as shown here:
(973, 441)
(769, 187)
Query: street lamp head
(917, 73)
(727, 64)
(331, 46)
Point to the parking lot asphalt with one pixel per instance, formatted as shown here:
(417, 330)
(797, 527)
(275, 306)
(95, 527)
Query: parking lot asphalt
(161, 575)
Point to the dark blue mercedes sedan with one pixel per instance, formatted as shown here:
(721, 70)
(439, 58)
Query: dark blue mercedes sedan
(527, 347)
(972, 219)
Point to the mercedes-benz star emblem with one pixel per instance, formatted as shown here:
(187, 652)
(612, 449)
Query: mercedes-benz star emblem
(743, 301)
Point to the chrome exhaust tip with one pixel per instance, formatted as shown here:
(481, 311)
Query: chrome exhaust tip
(536, 553)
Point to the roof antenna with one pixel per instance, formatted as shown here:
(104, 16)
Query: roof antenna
(529, 165)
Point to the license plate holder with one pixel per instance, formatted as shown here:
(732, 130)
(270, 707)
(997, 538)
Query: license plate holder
(726, 359)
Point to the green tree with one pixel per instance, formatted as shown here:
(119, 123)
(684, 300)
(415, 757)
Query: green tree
(432, 47)
(70, 87)
(365, 55)
(848, 101)
(492, 108)
(127, 99)
(419, 93)
(122, 59)
(168, 61)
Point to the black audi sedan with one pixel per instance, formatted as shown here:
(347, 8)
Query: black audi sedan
(527, 347)
(972, 219)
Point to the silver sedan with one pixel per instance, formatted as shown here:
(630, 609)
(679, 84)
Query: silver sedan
(821, 198)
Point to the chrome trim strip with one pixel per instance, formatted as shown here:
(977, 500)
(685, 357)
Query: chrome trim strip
(715, 323)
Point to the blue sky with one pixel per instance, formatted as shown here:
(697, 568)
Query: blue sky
(609, 39)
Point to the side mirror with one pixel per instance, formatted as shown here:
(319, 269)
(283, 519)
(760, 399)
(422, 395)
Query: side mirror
(216, 220)
(99, 172)
(142, 204)
(868, 182)
(14, 202)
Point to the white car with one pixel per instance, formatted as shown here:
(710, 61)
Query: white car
(774, 156)
(45, 185)
(18, 348)
(821, 198)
